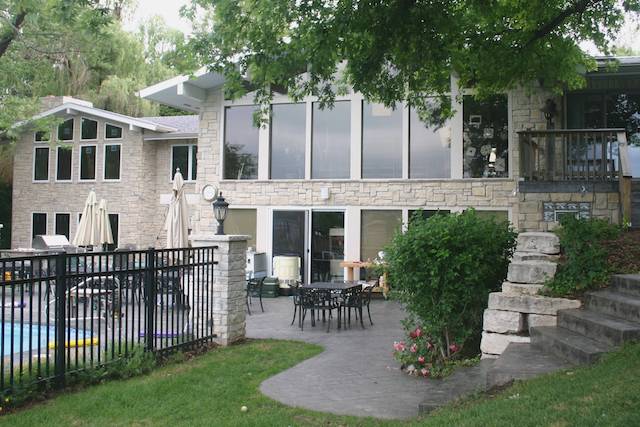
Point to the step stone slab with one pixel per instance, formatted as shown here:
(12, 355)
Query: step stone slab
(503, 322)
(534, 320)
(521, 288)
(531, 272)
(496, 343)
(530, 304)
(545, 243)
(534, 256)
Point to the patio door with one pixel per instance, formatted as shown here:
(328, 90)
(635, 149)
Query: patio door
(290, 236)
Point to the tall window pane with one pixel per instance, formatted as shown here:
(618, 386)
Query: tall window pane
(62, 224)
(38, 224)
(65, 130)
(63, 166)
(288, 124)
(485, 132)
(240, 143)
(331, 141)
(89, 129)
(381, 141)
(377, 230)
(88, 162)
(429, 148)
(114, 222)
(242, 221)
(112, 162)
(41, 164)
(194, 162)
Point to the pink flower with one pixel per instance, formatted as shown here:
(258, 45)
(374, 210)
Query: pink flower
(454, 348)
(418, 332)
(398, 346)
(421, 359)
(429, 346)
(424, 372)
(414, 348)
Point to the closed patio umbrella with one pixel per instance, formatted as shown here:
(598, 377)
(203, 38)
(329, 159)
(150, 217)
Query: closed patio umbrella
(177, 223)
(105, 235)
(87, 232)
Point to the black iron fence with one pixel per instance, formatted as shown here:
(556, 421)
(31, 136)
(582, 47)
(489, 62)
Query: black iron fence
(68, 312)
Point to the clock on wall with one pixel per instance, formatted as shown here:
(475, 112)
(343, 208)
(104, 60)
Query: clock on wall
(209, 192)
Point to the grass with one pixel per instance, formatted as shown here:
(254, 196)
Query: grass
(210, 390)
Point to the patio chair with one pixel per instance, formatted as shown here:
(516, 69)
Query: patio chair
(318, 300)
(254, 286)
(295, 296)
(352, 299)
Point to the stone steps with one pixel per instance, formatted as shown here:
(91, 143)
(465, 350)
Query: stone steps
(566, 344)
(531, 271)
(597, 326)
(614, 304)
(626, 284)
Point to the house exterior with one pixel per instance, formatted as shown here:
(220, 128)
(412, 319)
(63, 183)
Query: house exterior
(334, 184)
(128, 161)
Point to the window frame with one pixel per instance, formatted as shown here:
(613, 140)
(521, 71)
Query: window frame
(189, 162)
(95, 174)
(73, 132)
(58, 148)
(82, 119)
(263, 134)
(33, 165)
(114, 125)
(46, 225)
(55, 223)
(104, 163)
(35, 141)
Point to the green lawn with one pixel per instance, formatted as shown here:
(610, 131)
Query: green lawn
(210, 390)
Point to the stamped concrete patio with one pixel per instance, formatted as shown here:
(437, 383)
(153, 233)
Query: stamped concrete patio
(356, 374)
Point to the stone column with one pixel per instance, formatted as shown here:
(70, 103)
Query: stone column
(229, 285)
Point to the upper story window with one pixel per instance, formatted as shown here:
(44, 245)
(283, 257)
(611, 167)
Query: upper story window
(41, 164)
(288, 124)
(63, 163)
(381, 141)
(429, 148)
(42, 136)
(112, 161)
(88, 163)
(486, 137)
(38, 224)
(62, 224)
(65, 130)
(331, 141)
(112, 132)
(240, 143)
(184, 157)
(89, 129)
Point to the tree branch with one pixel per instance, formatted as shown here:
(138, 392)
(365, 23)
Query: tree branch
(15, 30)
(544, 30)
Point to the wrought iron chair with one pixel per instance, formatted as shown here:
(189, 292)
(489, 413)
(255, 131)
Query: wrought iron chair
(352, 298)
(316, 300)
(254, 287)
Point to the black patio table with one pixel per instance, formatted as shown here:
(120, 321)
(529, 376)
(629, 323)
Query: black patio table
(337, 287)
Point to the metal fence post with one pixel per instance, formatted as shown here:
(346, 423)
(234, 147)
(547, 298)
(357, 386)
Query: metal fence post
(150, 291)
(61, 299)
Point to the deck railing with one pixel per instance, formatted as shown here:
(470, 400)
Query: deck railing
(64, 313)
(572, 154)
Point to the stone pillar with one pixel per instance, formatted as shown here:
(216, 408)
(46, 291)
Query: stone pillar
(229, 285)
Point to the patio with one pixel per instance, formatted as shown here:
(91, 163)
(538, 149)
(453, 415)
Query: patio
(356, 374)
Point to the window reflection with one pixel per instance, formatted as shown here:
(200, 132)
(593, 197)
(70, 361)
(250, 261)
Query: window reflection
(331, 141)
(429, 148)
(240, 143)
(381, 141)
(288, 124)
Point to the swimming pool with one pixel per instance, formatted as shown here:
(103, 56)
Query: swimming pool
(32, 335)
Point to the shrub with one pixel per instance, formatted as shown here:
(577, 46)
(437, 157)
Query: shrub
(442, 269)
(584, 263)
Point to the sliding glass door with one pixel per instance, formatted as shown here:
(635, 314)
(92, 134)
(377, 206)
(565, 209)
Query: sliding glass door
(327, 246)
(289, 235)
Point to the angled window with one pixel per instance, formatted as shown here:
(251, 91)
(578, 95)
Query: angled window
(240, 143)
(429, 147)
(331, 141)
(65, 130)
(38, 224)
(88, 162)
(112, 132)
(89, 129)
(112, 161)
(63, 163)
(62, 224)
(42, 136)
(41, 164)
(183, 157)
(288, 124)
(381, 141)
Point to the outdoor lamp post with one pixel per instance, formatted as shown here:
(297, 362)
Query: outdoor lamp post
(220, 210)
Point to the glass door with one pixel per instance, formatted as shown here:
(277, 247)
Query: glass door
(327, 246)
(289, 240)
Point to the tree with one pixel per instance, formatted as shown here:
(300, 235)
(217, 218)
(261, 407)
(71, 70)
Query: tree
(400, 50)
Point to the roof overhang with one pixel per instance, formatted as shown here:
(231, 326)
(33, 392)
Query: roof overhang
(185, 92)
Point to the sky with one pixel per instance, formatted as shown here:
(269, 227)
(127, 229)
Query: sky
(169, 10)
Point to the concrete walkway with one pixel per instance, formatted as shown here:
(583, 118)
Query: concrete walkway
(356, 374)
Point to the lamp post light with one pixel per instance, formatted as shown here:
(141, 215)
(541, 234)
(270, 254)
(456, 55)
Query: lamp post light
(220, 210)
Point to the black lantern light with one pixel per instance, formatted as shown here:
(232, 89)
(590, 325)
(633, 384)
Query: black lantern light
(220, 209)
(550, 110)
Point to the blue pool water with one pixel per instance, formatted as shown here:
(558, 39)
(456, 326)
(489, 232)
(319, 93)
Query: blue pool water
(28, 337)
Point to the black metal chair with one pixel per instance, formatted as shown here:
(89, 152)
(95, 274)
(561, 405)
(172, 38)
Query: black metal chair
(297, 302)
(352, 298)
(316, 300)
(254, 287)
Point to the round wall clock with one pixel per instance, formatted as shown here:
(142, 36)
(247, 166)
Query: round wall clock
(209, 192)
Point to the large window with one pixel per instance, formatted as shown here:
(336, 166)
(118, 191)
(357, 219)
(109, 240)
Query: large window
(114, 221)
(112, 157)
(65, 130)
(88, 162)
(112, 132)
(41, 136)
(38, 224)
(377, 230)
(88, 129)
(63, 163)
(41, 164)
(429, 148)
(183, 157)
(381, 141)
(242, 221)
(288, 124)
(498, 215)
(331, 141)
(486, 136)
(427, 213)
(240, 143)
(62, 224)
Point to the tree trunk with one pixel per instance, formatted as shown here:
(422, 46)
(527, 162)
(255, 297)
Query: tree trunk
(5, 41)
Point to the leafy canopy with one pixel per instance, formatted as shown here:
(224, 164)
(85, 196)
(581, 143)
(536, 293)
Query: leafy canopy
(399, 50)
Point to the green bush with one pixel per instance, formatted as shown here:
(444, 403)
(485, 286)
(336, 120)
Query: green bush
(584, 263)
(443, 269)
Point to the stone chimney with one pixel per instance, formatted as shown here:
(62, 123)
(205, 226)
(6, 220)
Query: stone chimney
(51, 101)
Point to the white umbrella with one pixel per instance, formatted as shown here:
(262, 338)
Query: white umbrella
(105, 235)
(177, 223)
(87, 233)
